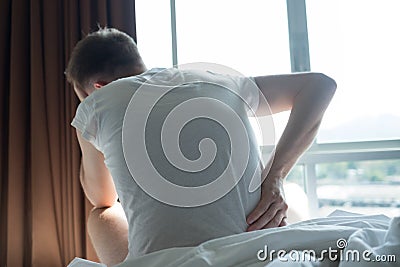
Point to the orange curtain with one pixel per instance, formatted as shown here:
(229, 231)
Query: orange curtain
(42, 208)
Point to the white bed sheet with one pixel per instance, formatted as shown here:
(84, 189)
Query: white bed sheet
(377, 234)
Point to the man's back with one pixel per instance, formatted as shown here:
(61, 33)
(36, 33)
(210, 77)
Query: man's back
(154, 225)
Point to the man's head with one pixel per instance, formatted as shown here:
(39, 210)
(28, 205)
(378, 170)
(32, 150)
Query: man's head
(100, 58)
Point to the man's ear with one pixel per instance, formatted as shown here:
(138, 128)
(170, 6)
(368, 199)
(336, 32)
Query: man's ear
(99, 84)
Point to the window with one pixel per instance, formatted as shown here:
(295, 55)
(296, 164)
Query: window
(154, 32)
(357, 43)
(248, 36)
(366, 187)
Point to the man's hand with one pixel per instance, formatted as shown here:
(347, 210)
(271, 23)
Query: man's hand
(271, 211)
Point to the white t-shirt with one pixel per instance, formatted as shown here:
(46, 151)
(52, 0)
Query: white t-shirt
(154, 225)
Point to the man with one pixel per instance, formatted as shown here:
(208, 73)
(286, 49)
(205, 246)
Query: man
(96, 67)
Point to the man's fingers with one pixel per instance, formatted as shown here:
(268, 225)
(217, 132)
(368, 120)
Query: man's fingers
(265, 218)
(260, 209)
(283, 222)
(277, 220)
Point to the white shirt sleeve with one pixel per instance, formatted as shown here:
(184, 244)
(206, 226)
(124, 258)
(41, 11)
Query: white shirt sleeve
(86, 122)
(248, 90)
(245, 87)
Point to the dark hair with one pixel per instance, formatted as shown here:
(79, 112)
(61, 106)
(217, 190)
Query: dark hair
(102, 55)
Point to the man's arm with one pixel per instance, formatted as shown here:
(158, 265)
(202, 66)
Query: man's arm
(107, 225)
(96, 179)
(307, 95)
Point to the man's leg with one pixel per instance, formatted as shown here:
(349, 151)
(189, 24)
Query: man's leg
(108, 230)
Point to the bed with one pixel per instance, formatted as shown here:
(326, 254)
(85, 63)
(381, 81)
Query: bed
(341, 239)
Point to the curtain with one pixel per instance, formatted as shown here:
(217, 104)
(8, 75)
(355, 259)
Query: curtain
(43, 210)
